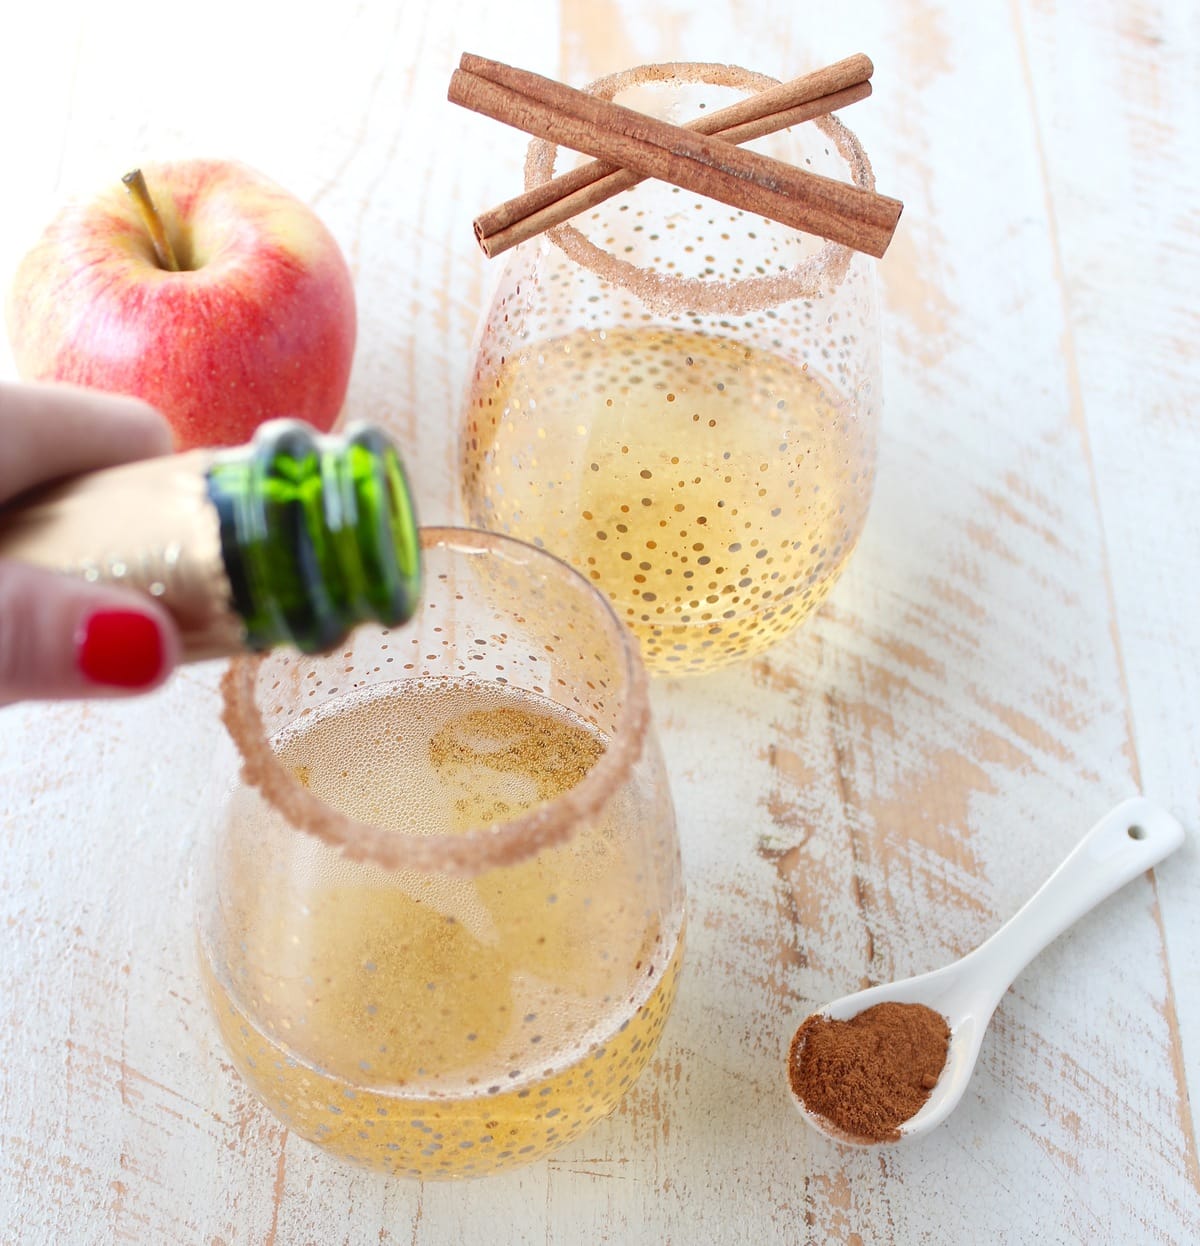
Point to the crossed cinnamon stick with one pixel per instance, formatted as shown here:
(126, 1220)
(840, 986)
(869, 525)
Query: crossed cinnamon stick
(702, 157)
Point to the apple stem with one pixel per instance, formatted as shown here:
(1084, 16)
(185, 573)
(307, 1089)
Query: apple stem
(135, 183)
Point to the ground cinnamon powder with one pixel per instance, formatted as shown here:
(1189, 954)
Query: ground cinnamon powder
(868, 1075)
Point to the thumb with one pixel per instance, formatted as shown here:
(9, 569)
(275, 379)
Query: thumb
(61, 637)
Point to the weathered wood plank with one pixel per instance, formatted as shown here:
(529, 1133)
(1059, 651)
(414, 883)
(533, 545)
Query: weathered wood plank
(869, 800)
(957, 716)
(1124, 174)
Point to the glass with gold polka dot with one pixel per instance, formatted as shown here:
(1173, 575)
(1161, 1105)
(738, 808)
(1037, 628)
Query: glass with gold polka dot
(683, 399)
(440, 905)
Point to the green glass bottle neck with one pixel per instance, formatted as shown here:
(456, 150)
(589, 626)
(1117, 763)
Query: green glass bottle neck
(318, 534)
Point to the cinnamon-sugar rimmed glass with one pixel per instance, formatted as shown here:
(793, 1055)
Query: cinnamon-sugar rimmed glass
(440, 914)
(681, 399)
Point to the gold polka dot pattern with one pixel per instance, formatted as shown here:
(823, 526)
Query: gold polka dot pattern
(432, 1024)
(713, 489)
(680, 398)
(452, 1137)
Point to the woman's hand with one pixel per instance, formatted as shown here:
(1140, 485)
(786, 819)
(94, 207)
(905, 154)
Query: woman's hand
(62, 637)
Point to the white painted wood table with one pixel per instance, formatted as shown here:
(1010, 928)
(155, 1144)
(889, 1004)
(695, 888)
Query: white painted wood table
(1015, 647)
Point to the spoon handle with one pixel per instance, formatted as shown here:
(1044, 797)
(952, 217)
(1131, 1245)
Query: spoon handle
(1134, 836)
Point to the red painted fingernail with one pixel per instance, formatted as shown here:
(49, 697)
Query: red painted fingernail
(121, 648)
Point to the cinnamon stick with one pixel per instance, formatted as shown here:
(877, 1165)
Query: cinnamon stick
(790, 103)
(627, 139)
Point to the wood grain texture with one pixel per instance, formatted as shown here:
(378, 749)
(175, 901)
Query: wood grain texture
(1013, 648)
(1140, 387)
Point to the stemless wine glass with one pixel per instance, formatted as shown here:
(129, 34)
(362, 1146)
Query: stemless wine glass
(441, 911)
(682, 399)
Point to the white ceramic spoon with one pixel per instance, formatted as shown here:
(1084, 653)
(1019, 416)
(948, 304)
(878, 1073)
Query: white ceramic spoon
(1136, 835)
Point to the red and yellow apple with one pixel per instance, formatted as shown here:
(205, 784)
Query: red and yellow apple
(258, 322)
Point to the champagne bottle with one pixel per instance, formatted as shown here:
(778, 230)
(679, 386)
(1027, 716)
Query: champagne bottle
(294, 538)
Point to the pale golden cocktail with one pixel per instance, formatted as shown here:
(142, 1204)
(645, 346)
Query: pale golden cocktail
(494, 977)
(682, 399)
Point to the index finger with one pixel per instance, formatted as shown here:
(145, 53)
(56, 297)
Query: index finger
(48, 431)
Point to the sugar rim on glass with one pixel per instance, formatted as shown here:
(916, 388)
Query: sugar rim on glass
(481, 848)
(666, 292)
